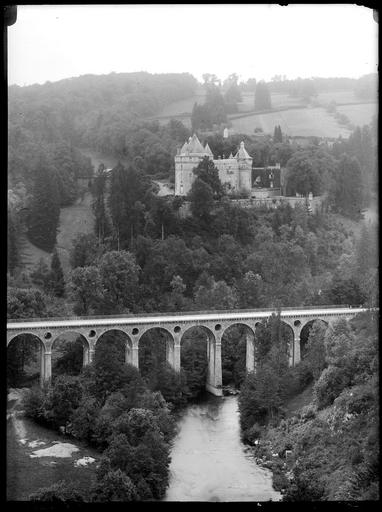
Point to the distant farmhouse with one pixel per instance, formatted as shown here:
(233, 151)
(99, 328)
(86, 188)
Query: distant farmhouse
(235, 172)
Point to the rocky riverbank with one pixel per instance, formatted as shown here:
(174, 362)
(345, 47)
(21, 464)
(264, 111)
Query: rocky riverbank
(38, 457)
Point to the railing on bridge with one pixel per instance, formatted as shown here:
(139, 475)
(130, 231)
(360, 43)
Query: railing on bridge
(179, 313)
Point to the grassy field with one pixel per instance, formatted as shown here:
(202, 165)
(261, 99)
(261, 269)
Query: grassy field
(75, 219)
(182, 106)
(359, 114)
(298, 122)
(30, 255)
(295, 122)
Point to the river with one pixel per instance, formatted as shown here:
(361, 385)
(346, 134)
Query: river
(209, 461)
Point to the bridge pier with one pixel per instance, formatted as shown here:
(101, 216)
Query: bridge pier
(128, 353)
(135, 354)
(297, 350)
(42, 365)
(250, 353)
(170, 352)
(91, 354)
(214, 375)
(47, 366)
(85, 355)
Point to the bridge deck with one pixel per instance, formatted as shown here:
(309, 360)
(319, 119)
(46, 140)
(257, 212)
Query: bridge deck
(164, 318)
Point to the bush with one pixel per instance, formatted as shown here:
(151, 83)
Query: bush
(60, 491)
(308, 412)
(332, 382)
(33, 404)
(114, 486)
(251, 434)
(300, 377)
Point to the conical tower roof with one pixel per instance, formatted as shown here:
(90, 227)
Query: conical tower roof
(207, 149)
(184, 148)
(231, 155)
(194, 146)
(242, 153)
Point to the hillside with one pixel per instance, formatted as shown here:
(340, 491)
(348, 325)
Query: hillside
(75, 219)
(292, 114)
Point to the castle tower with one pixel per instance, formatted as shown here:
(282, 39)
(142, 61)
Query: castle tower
(245, 169)
(191, 153)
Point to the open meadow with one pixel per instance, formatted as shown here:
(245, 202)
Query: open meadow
(295, 122)
(359, 114)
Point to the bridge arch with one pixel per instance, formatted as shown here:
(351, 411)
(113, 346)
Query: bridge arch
(119, 340)
(25, 359)
(156, 344)
(305, 332)
(288, 331)
(199, 341)
(238, 342)
(79, 345)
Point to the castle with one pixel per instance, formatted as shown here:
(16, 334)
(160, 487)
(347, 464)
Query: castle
(235, 172)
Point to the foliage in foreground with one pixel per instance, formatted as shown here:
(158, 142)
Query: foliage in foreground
(109, 406)
(333, 439)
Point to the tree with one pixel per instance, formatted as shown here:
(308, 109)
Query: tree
(101, 220)
(114, 486)
(214, 295)
(344, 291)
(348, 188)
(61, 491)
(25, 303)
(45, 208)
(85, 289)
(119, 275)
(71, 358)
(65, 398)
(232, 95)
(201, 197)
(40, 275)
(208, 172)
(85, 250)
(13, 251)
(315, 350)
(57, 281)
(262, 97)
(302, 175)
(277, 135)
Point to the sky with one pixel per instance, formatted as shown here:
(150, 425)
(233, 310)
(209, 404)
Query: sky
(49, 43)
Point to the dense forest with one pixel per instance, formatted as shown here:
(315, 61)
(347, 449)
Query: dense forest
(145, 256)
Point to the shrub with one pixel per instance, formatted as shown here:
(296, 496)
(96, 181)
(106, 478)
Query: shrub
(115, 485)
(332, 382)
(252, 433)
(33, 403)
(84, 419)
(308, 412)
(60, 491)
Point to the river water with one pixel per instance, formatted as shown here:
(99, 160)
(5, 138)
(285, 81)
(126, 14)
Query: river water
(209, 461)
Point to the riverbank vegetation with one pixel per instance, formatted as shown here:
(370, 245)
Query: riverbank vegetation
(327, 449)
(109, 407)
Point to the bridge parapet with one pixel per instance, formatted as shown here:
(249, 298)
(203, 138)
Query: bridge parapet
(176, 325)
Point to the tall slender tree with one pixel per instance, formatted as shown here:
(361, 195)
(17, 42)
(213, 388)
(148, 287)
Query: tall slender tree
(45, 209)
(262, 97)
(57, 280)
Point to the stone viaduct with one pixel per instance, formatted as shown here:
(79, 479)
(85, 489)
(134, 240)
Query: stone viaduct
(214, 324)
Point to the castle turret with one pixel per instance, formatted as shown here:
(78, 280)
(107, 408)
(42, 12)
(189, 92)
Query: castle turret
(245, 169)
(191, 153)
(208, 151)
